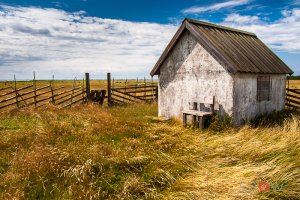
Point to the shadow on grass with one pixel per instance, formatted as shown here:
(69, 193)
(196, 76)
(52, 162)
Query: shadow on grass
(276, 118)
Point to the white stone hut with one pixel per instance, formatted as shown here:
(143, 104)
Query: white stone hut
(236, 67)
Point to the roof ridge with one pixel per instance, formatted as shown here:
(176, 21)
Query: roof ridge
(218, 26)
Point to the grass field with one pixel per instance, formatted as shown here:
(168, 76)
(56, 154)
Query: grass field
(294, 84)
(127, 153)
(95, 84)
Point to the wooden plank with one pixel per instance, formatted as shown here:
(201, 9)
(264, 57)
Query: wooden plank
(20, 89)
(49, 91)
(88, 86)
(31, 103)
(52, 92)
(34, 88)
(132, 87)
(43, 93)
(293, 106)
(1, 107)
(141, 91)
(293, 91)
(74, 102)
(127, 94)
(184, 119)
(196, 112)
(40, 100)
(38, 89)
(141, 84)
(65, 100)
(123, 97)
(64, 93)
(147, 95)
(109, 89)
(10, 98)
(4, 88)
(293, 96)
(293, 101)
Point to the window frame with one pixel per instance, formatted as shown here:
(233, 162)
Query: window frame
(264, 88)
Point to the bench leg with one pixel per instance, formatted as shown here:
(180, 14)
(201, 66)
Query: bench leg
(200, 121)
(194, 120)
(184, 118)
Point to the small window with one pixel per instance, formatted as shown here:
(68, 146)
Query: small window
(263, 88)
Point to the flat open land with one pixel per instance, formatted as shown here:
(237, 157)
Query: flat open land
(89, 152)
(294, 84)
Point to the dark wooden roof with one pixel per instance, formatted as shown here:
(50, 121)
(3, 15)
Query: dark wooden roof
(236, 50)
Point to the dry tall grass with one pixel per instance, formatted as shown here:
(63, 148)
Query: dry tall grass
(127, 153)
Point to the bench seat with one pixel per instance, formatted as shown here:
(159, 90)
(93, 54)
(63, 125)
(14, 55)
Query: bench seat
(198, 117)
(196, 112)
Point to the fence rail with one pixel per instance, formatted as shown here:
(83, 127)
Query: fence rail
(16, 97)
(293, 98)
(20, 94)
(145, 91)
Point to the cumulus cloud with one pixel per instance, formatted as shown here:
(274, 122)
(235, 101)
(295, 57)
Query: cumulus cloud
(242, 20)
(215, 7)
(282, 35)
(52, 41)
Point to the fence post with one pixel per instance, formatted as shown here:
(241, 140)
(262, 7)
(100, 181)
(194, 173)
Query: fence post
(73, 91)
(83, 99)
(17, 100)
(87, 86)
(156, 92)
(52, 92)
(145, 93)
(34, 87)
(108, 89)
(288, 92)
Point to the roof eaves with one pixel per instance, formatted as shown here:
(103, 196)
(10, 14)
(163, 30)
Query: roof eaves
(219, 27)
(168, 48)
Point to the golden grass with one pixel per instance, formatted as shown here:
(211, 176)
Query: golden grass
(294, 84)
(127, 153)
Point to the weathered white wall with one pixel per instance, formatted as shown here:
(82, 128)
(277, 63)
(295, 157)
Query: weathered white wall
(189, 72)
(246, 105)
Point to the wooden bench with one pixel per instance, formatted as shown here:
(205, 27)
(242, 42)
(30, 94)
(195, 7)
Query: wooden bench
(199, 117)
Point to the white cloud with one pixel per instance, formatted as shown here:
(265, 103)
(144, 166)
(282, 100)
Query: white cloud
(215, 7)
(282, 35)
(238, 19)
(52, 41)
(296, 2)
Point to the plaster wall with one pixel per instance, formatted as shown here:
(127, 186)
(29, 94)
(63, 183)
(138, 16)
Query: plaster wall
(246, 105)
(188, 73)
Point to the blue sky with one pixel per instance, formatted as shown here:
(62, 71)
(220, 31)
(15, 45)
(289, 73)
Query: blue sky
(67, 38)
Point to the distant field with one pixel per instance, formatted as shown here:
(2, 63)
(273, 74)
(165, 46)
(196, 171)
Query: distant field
(294, 84)
(95, 84)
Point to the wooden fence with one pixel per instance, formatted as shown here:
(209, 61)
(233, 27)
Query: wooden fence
(131, 92)
(41, 93)
(20, 94)
(293, 98)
